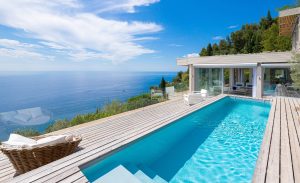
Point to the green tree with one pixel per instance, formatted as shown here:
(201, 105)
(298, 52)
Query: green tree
(295, 70)
(223, 47)
(266, 22)
(284, 43)
(203, 52)
(269, 19)
(178, 77)
(163, 84)
(238, 41)
(251, 38)
(215, 49)
(270, 38)
(209, 50)
(257, 48)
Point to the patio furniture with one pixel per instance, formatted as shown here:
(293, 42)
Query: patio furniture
(239, 85)
(203, 92)
(156, 93)
(192, 98)
(249, 85)
(27, 154)
(226, 89)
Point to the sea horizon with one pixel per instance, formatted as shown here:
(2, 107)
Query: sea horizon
(65, 94)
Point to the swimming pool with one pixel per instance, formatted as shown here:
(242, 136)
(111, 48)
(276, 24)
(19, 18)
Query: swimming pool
(218, 143)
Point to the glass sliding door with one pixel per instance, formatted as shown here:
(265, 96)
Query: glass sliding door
(274, 76)
(209, 79)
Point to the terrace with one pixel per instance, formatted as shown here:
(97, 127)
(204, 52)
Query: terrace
(278, 159)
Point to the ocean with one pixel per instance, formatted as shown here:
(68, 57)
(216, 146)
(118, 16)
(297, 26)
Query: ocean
(36, 99)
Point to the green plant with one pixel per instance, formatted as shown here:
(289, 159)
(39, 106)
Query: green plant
(295, 70)
(251, 38)
(27, 132)
(115, 107)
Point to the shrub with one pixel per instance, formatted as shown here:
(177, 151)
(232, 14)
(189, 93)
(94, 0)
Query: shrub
(60, 124)
(27, 132)
(115, 107)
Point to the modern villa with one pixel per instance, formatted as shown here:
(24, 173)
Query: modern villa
(244, 130)
(254, 75)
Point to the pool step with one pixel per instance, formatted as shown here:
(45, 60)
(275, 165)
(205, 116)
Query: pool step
(118, 175)
(143, 177)
(144, 173)
(152, 174)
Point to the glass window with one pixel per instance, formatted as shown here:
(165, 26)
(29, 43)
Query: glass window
(209, 79)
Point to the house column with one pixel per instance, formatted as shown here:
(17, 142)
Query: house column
(222, 78)
(191, 78)
(231, 77)
(259, 81)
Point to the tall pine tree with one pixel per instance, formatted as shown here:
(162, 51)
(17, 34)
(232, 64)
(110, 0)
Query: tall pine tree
(209, 50)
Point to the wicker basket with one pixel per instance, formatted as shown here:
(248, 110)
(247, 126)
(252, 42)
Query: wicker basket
(25, 159)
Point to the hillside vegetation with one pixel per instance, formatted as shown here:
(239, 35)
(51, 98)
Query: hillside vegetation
(251, 38)
(113, 108)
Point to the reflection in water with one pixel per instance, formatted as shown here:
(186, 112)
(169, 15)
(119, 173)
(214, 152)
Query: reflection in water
(9, 121)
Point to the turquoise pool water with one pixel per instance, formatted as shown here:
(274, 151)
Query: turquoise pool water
(219, 143)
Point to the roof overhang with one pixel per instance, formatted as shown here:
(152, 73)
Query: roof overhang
(241, 65)
(289, 12)
(238, 60)
(276, 65)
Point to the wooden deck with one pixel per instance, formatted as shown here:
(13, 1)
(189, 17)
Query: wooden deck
(278, 161)
(279, 158)
(101, 137)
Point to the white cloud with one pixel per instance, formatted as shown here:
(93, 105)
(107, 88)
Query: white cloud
(217, 38)
(68, 26)
(16, 49)
(19, 53)
(175, 45)
(9, 43)
(145, 38)
(120, 5)
(191, 55)
(53, 45)
(232, 26)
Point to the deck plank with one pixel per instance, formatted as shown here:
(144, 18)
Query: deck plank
(295, 145)
(262, 161)
(273, 169)
(286, 167)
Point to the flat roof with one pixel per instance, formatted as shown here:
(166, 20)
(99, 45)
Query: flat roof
(289, 12)
(239, 59)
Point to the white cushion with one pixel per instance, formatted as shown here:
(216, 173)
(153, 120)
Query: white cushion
(52, 140)
(18, 141)
(19, 138)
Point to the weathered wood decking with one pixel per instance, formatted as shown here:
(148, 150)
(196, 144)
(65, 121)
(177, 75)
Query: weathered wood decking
(279, 158)
(101, 137)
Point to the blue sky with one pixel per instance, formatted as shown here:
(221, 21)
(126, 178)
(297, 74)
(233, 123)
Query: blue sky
(117, 35)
